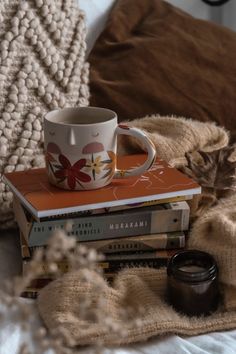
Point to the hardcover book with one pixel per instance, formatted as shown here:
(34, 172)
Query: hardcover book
(44, 200)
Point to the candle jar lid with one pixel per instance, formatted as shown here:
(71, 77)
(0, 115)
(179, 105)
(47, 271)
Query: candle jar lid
(192, 282)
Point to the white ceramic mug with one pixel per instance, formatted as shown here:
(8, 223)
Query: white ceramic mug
(81, 145)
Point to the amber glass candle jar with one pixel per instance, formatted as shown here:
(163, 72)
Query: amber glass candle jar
(192, 283)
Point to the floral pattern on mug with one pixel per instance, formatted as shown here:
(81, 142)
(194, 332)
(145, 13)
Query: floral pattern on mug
(81, 171)
(95, 165)
(71, 173)
(110, 165)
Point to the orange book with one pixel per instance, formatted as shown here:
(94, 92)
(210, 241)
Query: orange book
(44, 200)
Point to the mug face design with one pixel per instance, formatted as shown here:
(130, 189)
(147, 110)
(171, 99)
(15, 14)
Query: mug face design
(95, 166)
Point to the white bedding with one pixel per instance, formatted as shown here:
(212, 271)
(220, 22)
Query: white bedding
(11, 337)
(97, 12)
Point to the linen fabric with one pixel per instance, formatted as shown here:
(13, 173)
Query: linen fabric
(42, 67)
(153, 58)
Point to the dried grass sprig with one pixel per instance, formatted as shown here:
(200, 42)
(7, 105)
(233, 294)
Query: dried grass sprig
(62, 247)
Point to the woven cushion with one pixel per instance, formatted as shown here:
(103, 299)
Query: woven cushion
(42, 67)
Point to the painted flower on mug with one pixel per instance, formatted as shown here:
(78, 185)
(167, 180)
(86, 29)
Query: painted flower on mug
(71, 173)
(110, 165)
(95, 165)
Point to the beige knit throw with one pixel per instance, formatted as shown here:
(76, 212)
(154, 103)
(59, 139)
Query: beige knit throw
(175, 136)
(133, 310)
(215, 232)
(42, 67)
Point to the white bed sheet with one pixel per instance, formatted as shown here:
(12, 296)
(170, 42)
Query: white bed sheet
(97, 12)
(12, 336)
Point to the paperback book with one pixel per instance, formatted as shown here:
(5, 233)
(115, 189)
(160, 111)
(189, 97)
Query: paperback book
(123, 245)
(142, 243)
(44, 200)
(114, 263)
(110, 269)
(160, 218)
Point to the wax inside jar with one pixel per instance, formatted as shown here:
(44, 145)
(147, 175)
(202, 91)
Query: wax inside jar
(191, 268)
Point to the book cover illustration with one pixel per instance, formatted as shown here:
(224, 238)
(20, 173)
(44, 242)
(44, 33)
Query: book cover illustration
(44, 200)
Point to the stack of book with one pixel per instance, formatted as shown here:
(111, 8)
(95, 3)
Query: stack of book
(137, 221)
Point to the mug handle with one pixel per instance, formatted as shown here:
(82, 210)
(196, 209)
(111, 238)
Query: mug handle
(148, 144)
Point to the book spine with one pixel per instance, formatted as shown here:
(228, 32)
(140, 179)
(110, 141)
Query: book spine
(108, 266)
(30, 293)
(168, 241)
(115, 266)
(164, 241)
(113, 209)
(149, 220)
(117, 262)
(140, 256)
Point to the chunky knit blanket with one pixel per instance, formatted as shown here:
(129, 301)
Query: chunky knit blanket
(42, 67)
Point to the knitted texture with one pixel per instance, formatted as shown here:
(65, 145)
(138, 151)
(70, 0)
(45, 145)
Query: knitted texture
(174, 136)
(42, 67)
(139, 291)
(215, 232)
